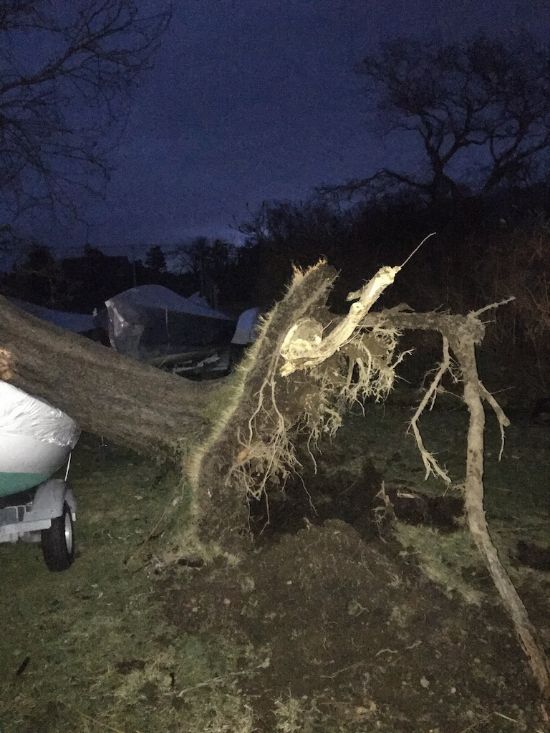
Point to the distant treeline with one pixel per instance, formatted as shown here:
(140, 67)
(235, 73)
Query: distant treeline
(214, 268)
(485, 249)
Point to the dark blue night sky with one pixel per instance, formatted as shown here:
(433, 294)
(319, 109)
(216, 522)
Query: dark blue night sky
(254, 100)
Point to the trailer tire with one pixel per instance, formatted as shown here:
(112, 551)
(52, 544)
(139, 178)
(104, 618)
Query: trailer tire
(58, 542)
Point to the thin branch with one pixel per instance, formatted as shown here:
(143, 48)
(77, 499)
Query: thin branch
(428, 459)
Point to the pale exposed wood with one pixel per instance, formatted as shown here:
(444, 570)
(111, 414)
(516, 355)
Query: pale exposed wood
(428, 459)
(303, 353)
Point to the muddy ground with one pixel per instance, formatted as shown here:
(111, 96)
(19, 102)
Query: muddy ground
(341, 619)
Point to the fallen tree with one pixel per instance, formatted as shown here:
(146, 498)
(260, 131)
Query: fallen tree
(125, 401)
(305, 369)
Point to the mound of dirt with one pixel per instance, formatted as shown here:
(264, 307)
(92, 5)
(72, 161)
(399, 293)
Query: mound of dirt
(356, 638)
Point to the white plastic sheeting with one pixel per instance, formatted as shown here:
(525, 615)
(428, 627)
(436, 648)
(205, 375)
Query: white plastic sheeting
(35, 437)
(245, 332)
(22, 414)
(157, 296)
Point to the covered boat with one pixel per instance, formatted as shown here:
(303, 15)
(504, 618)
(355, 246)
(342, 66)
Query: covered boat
(77, 322)
(149, 322)
(35, 439)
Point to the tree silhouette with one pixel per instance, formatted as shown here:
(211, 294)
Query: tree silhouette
(65, 73)
(479, 109)
(155, 259)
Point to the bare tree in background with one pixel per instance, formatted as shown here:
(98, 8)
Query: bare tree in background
(481, 106)
(66, 70)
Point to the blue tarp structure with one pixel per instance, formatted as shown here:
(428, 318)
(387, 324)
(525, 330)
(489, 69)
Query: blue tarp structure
(77, 322)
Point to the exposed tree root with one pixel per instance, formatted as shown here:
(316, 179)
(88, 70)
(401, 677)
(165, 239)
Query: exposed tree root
(429, 461)
(250, 449)
(473, 499)
(463, 333)
(334, 363)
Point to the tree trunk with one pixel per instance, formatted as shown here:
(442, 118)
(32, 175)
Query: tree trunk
(130, 403)
(224, 429)
(250, 449)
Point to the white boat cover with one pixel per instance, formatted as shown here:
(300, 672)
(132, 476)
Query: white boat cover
(157, 296)
(21, 414)
(245, 332)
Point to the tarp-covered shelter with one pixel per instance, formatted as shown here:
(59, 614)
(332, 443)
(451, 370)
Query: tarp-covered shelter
(151, 321)
(77, 322)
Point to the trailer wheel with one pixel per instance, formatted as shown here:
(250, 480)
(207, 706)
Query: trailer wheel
(58, 541)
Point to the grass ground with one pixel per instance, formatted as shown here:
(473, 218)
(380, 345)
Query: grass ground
(329, 629)
(100, 653)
